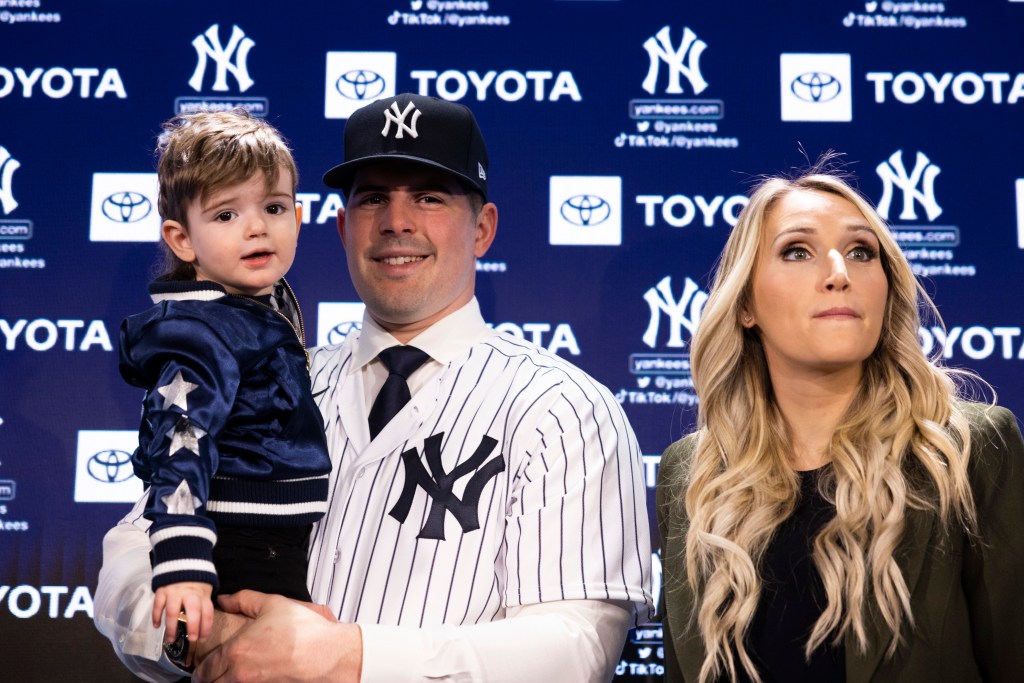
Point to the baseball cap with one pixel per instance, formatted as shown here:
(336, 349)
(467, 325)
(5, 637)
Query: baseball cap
(416, 128)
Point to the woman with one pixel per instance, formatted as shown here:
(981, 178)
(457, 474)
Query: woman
(838, 515)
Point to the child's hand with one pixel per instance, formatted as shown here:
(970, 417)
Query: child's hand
(194, 599)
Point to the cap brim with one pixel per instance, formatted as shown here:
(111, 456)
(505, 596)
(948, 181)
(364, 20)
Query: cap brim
(342, 175)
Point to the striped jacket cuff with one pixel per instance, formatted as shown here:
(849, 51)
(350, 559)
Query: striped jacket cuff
(183, 553)
(264, 504)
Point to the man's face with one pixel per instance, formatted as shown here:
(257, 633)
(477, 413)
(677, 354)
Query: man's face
(412, 237)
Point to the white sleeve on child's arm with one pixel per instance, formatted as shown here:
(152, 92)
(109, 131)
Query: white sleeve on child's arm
(123, 603)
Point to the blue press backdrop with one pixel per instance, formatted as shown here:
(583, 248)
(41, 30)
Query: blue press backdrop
(622, 134)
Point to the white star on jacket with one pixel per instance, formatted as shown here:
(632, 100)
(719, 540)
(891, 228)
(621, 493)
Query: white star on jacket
(181, 502)
(184, 435)
(174, 393)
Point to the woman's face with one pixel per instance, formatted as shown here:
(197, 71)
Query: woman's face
(818, 288)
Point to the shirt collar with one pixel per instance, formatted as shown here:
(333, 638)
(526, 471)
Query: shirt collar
(443, 341)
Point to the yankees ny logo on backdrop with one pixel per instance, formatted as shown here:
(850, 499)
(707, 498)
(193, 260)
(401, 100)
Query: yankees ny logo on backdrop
(917, 186)
(8, 165)
(438, 484)
(208, 45)
(682, 313)
(659, 49)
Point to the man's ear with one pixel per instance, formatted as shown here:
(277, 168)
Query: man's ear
(298, 219)
(486, 229)
(176, 237)
(341, 226)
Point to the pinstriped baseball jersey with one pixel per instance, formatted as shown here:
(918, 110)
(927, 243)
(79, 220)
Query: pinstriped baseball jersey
(510, 478)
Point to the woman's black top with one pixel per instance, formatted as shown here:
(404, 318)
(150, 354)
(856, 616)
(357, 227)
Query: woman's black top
(793, 597)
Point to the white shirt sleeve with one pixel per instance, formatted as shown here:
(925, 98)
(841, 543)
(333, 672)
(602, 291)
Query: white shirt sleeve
(565, 641)
(570, 640)
(123, 603)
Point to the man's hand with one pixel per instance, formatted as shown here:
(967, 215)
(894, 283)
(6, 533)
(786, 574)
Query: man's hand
(225, 626)
(286, 641)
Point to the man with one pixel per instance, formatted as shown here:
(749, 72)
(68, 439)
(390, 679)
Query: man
(487, 518)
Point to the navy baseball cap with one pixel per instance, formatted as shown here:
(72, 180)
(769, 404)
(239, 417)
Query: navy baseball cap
(416, 128)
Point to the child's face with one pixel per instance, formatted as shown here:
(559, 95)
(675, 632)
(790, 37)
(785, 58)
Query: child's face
(241, 237)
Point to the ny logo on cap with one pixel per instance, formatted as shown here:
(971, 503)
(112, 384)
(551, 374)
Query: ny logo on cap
(398, 118)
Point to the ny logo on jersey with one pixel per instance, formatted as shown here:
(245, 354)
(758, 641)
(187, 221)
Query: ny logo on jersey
(8, 165)
(894, 174)
(682, 313)
(659, 49)
(397, 116)
(438, 485)
(208, 45)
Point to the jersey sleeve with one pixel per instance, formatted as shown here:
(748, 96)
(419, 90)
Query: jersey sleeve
(577, 526)
(194, 378)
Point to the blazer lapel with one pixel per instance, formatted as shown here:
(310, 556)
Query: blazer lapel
(910, 557)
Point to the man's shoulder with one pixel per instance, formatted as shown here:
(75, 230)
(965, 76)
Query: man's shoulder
(533, 377)
(545, 363)
(329, 354)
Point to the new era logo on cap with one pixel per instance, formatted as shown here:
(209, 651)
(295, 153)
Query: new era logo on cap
(416, 128)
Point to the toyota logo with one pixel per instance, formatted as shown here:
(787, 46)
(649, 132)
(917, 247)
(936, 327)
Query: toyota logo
(126, 207)
(110, 467)
(360, 84)
(337, 334)
(585, 210)
(816, 86)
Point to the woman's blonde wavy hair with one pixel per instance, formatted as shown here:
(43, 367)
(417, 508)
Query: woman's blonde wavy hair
(903, 442)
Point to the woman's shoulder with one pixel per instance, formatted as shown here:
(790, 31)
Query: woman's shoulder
(680, 452)
(997, 448)
(988, 420)
(676, 460)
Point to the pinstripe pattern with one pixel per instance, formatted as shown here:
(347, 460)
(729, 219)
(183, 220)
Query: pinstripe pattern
(566, 519)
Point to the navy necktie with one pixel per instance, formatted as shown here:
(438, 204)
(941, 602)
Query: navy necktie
(401, 361)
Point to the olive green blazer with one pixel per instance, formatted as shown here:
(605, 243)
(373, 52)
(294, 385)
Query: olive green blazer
(967, 596)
